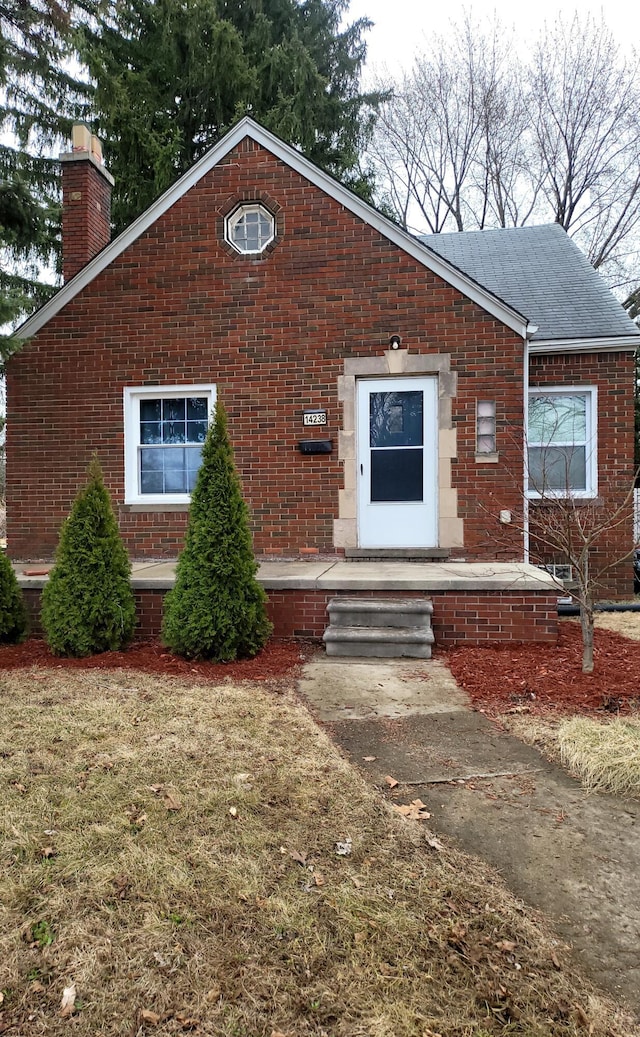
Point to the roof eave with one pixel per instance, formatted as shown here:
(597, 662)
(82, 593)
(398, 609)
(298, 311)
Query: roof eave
(248, 128)
(597, 344)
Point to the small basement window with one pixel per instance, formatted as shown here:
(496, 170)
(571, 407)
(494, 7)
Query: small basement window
(165, 428)
(250, 228)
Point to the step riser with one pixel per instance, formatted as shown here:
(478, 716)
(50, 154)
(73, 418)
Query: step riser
(392, 612)
(368, 619)
(377, 651)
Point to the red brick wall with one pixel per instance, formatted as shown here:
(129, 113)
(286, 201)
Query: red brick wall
(613, 374)
(86, 214)
(458, 617)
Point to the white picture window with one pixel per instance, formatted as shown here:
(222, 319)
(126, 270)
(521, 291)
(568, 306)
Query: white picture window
(561, 442)
(165, 428)
(250, 228)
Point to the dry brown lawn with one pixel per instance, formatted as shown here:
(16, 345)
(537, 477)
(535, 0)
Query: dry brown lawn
(200, 859)
(625, 623)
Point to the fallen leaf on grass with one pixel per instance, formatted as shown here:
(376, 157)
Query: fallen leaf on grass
(170, 800)
(233, 811)
(47, 852)
(506, 945)
(19, 787)
(136, 819)
(343, 849)
(187, 1022)
(414, 811)
(318, 878)
(583, 1018)
(149, 1017)
(434, 843)
(67, 1005)
(391, 782)
(301, 858)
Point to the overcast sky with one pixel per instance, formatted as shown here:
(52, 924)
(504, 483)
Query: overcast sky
(404, 26)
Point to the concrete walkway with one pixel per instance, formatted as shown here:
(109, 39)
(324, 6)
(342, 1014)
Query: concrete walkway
(571, 854)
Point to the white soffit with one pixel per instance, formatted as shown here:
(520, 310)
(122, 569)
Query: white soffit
(586, 345)
(248, 128)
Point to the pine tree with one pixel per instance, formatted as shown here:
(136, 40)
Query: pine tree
(13, 614)
(38, 100)
(87, 603)
(217, 609)
(172, 76)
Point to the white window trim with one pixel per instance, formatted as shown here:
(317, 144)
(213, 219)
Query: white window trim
(131, 401)
(238, 212)
(591, 442)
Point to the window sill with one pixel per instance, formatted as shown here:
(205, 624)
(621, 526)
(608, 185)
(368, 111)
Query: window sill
(136, 508)
(588, 500)
(492, 458)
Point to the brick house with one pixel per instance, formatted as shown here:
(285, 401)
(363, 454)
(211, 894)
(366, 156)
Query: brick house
(375, 383)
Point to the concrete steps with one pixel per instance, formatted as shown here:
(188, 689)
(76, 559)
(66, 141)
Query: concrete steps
(387, 628)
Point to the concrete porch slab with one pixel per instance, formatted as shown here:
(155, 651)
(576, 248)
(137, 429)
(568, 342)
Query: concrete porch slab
(332, 575)
(436, 576)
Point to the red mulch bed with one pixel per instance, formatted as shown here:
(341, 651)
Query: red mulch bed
(550, 678)
(279, 659)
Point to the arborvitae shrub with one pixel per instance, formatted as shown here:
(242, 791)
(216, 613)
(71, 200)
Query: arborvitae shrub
(13, 614)
(87, 603)
(217, 609)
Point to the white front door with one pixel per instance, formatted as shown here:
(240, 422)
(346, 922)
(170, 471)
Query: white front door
(397, 462)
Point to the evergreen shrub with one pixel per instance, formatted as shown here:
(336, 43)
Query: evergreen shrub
(13, 613)
(87, 603)
(217, 609)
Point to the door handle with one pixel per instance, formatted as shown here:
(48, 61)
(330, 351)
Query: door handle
(361, 470)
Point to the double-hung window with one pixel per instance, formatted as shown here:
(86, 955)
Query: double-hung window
(561, 443)
(165, 428)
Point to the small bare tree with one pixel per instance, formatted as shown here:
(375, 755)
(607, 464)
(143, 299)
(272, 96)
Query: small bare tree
(564, 526)
(572, 530)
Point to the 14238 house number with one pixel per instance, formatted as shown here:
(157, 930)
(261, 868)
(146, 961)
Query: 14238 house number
(314, 417)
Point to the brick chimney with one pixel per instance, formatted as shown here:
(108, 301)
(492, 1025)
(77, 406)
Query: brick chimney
(86, 201)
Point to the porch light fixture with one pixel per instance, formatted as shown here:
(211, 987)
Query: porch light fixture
(395, 341)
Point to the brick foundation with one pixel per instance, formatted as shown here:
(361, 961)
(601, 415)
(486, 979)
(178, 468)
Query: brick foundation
(458, 617)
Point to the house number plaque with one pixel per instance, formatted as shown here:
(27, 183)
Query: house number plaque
(314, 417)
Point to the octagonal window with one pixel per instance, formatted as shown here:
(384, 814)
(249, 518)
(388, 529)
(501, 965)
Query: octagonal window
(250, 228)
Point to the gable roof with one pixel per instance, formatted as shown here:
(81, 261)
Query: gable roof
(457, 278)
(540, 271)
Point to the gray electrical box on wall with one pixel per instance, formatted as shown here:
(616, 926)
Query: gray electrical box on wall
(315, 446)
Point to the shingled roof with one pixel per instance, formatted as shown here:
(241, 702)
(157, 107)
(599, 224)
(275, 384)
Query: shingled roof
(541, 273)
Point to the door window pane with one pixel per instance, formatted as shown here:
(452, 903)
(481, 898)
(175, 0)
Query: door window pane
(395, 419)
(396, 475)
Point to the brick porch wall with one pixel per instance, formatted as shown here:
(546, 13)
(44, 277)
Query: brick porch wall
(458, 617)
